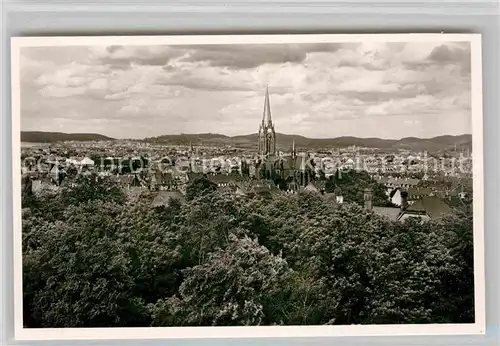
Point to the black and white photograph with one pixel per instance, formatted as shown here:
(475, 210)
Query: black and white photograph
(253, 181)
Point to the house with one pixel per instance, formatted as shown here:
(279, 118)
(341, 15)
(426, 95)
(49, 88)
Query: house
(123, 180)
(136, 181)
(162, 181)
(192, 176)
(183, 164)
(339, 198)
(134, 192)
(427, 208)
(43, 185)
(227, 189)
(330, 196)
(165, 198)
(222, 180)
(395, 197)
(268, 183)
(36, 186)
(261, 190)
(392, 213)
(393, 183)
(240, 192)
(56, 174)
(316, 187)
(86, 162)
(417, 193)
(254, 187)
(311, 188)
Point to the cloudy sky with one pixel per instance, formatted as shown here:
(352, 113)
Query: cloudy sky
(386, 90)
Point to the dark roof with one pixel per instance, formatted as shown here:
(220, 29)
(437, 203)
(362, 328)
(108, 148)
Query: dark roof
(418, 191)
(222, 178)
(261, 189)
(408, 181)
(241, 191)
(443, 185)
(227, 189)
(125, 180)
(245, 185)
(163, 198)
(163, 178)
(135, 191)
(319, 184)
(266, 182)
(290, 163)
(311, 187)
(136, 182)
(330, 195)
(390, 212)
(393, 192)
(269, 164)
(383, 180)
(431, 205)
(193, 176)
(55, 169)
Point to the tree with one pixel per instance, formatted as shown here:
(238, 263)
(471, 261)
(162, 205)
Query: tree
(411, 275)
(90, 260)
(91, 188)
(230, 288)
(458, 306)
(77, 271)
(245, 169)
(151, 241)
(199, 187)
(263, 173)
(322, 175)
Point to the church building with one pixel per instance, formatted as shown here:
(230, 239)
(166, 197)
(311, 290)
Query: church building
(267, 135)
(290, 172)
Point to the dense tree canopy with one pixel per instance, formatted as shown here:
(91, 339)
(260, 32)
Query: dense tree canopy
(92, 258)
(352, 184)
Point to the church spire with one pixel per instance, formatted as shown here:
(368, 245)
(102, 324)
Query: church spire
(294, 153)
(267, 109)
(267, 136)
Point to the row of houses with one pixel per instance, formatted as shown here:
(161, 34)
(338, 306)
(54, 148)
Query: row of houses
(407, 197)
(423, 206)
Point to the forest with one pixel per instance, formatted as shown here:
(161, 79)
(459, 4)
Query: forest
(94, 258)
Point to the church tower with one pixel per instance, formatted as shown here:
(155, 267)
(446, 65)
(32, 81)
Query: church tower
(267, 136)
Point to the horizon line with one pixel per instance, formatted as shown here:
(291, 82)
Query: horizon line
(243, 135)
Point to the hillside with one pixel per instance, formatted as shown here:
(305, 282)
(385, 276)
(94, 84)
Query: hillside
(52, 137)
(285, 141)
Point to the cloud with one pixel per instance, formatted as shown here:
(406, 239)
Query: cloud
(123, 57)
(447, 54)
(457, 54)
(255, 55)
(204, 81)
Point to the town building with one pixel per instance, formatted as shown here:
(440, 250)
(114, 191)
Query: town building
(293, 171)
(267, 135)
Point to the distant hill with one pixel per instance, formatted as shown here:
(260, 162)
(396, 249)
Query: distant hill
(52, 137)
(285, 141)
